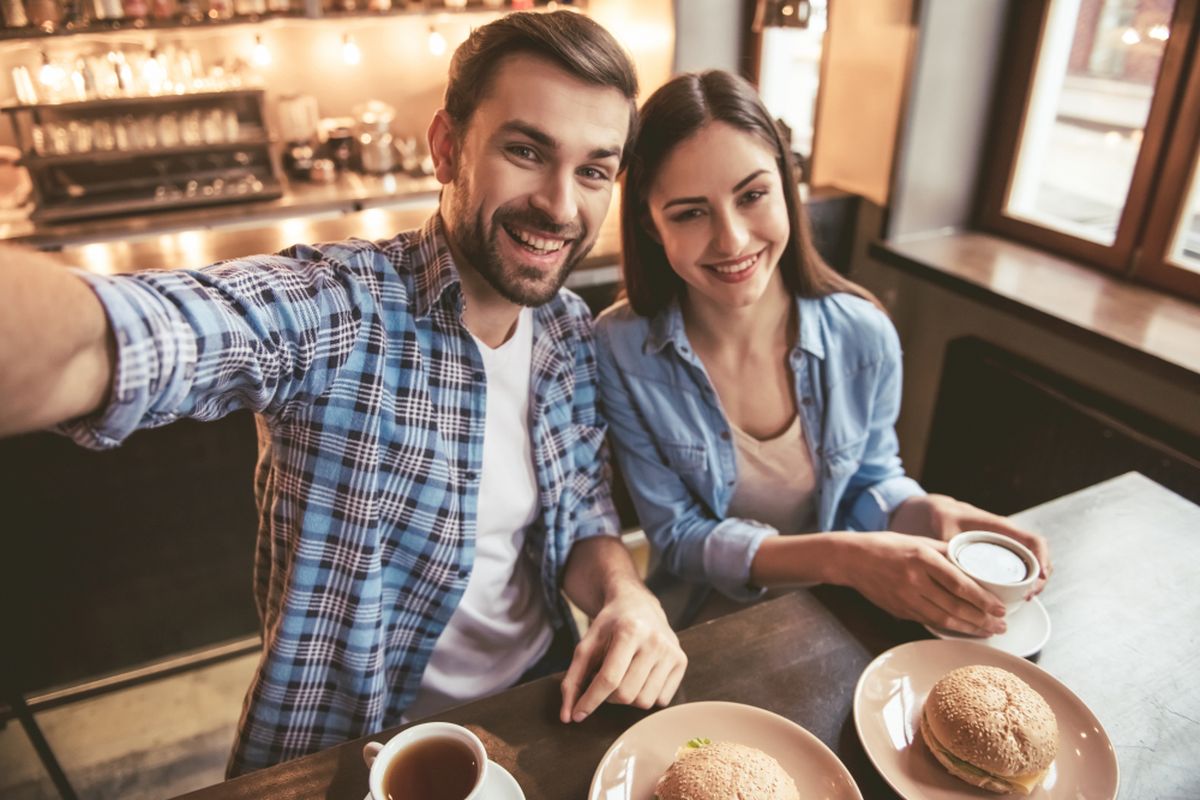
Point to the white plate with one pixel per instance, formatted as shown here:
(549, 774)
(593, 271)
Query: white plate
(887, 709)
(638, 758)
(1027, 633)
(499, 785)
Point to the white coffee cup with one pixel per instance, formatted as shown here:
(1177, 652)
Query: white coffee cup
(413, 742)
(998, 563)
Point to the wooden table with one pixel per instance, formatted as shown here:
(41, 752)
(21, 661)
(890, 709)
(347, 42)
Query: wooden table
(1126, 639)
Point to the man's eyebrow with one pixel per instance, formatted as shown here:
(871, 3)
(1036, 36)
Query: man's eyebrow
(602, 153)
(531, 131)
(538, 135)
(687, 201)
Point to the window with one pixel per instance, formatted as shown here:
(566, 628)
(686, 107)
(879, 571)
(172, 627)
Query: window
(1094, 153)
(790, 73)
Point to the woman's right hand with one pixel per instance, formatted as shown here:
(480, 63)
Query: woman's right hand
(911, 577)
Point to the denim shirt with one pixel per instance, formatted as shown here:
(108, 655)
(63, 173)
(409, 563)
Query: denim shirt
(677, 455)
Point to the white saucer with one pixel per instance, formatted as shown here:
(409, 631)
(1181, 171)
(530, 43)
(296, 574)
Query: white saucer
(499, 785)
(1028, 631)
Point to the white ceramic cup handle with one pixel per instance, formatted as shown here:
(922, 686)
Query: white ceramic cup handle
(371, 752)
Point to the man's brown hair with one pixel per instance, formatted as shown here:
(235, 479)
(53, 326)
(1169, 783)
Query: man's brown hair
(567, 38)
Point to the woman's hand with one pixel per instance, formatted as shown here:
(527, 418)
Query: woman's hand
(911, 577)
(944, 517)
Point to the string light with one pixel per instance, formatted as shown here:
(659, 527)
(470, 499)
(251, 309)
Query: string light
(1131, 37)
(262, 54)
(1160, 32)
(350, 52)
(437, 42)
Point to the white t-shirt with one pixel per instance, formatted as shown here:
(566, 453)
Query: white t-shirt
(501, 627)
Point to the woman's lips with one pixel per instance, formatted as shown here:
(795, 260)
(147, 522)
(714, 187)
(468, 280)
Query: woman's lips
(737, 270)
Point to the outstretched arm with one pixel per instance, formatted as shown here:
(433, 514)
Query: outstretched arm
(56, 347)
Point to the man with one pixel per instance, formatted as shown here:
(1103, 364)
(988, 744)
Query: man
(431, 469)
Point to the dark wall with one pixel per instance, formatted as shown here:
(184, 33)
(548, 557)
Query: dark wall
(1008, 434)
(115, 558)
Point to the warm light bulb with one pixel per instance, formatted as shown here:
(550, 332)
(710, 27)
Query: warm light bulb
(350, 52)
(51, 75)
(1130, 36)
(437, 42)
(1160, 32)
(153, 74)
(262, 54)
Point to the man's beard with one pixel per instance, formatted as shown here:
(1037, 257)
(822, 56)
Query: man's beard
(525, 286)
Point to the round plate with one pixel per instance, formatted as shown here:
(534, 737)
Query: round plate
(887, 709)
(638, 758)
(1028, 631)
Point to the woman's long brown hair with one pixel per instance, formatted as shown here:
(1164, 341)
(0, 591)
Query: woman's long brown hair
(675, 112)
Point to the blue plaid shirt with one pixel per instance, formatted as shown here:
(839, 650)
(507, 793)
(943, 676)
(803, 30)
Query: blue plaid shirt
(370, 395)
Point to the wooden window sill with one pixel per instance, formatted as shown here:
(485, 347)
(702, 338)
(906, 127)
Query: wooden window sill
(1158, 331)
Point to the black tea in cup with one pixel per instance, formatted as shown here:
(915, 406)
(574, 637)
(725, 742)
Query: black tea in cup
(437, 768)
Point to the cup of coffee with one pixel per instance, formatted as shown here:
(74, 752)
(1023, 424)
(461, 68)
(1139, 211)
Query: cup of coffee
(1003, 566)
(433, 761)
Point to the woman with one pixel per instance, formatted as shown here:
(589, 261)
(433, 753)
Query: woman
(752, 391)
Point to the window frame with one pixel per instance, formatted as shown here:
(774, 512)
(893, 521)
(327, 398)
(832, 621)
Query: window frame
(1159, 152)
(1181, 164)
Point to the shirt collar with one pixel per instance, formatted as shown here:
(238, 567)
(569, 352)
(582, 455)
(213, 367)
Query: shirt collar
(434, 268)
(667, 327)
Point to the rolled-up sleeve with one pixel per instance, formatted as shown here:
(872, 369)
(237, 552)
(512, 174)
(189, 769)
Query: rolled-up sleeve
(257, 334)
(728, 553)
(155, 360)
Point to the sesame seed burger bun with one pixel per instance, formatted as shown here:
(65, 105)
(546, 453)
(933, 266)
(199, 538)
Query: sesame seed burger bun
(991, 729)
(723, 770)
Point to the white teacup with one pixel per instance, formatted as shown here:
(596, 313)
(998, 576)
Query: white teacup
(435, 754)
(998, 563)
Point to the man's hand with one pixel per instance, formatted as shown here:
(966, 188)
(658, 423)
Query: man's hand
(631, 653)
(944, 517)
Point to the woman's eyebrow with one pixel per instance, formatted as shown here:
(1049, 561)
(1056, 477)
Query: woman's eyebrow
(685, 201)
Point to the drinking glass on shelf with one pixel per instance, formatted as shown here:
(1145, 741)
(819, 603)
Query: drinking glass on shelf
(80, 134)
(190, 132)
(58, 138)
(37, 136)
(147, 127)
(168, 129)
(233, 128)
(214, 126)
(122, 134)
(23, 82)
(103, 137)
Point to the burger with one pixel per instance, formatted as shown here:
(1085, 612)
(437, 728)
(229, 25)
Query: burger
(991, 729)
(705, 770)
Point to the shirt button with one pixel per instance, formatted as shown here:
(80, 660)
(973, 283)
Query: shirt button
(725, 435)
(808, 401)
(471, 476)
(732, 482)
(480, 375)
